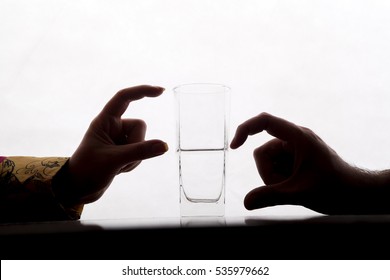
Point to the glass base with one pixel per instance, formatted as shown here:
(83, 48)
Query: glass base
(202, 209)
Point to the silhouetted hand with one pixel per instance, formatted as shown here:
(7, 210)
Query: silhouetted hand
(110, 146)
(299, 168)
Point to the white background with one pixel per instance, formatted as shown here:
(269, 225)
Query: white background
(321, 64)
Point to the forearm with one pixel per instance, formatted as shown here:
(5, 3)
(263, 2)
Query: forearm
(383, 179)
(369, 191)
(26, 190)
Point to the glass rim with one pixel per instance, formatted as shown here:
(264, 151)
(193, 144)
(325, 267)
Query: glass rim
(179, 88)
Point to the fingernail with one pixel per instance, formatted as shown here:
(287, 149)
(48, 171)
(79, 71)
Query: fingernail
(160, 88)
(159, 148)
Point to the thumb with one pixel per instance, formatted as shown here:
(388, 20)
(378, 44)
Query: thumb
(264, 196)
(141, 150)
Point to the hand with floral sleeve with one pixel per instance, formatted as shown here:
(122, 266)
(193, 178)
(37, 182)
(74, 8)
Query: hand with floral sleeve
(110, 146)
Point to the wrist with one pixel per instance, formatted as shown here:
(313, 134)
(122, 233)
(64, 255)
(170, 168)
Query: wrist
(369, 190)
(63, 187)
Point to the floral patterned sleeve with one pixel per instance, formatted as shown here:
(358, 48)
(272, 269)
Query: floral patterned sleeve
(26, 190)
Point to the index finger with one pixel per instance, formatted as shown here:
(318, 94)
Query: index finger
(275, 126)
(118, 104)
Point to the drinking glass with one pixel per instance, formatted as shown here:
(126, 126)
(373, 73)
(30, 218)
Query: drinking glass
(202, 126)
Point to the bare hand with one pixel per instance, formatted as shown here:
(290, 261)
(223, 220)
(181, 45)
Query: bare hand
(299, 168)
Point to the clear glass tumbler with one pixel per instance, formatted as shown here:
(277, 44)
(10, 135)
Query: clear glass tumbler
(202, 126)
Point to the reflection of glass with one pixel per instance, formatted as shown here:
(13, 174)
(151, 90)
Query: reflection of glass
(202, 144)
(203, 221)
